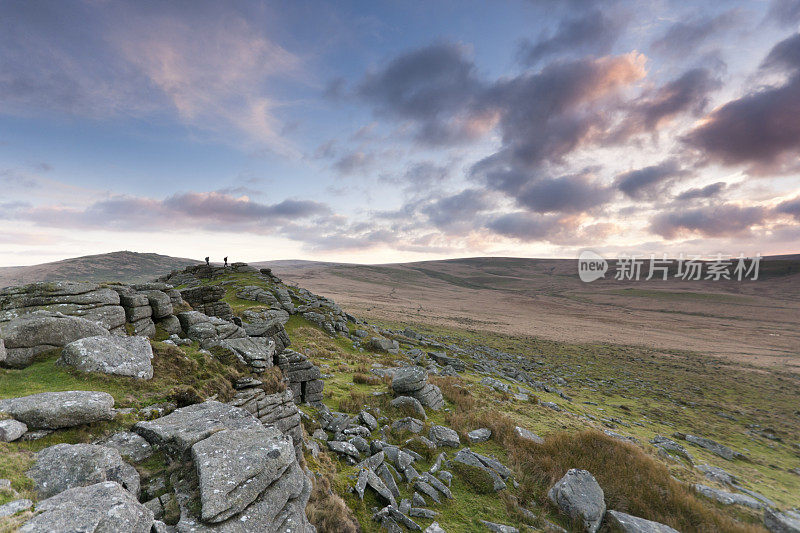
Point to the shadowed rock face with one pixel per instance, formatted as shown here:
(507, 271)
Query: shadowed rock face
(28, 336)
(54, 410)
(100, 507)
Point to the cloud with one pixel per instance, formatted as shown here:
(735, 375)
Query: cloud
(209, 66)
(689, 93)
(790, 207)
(433, 86)
(784, 12)
(649, 182)
(354, 163)
(709, 191)
(212, 211)
(593, 32)
(567, 194)
(759, 128)
(685, 37)
(721, 220)
(524, 226)
(458, 212)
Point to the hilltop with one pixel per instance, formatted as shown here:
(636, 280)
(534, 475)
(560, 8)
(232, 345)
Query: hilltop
(130, 267)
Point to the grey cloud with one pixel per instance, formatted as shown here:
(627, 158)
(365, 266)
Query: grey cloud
(566, 194)
(594, 32)
(648, 182)
(454, 211)
(790, 207)
(354, 162)
(524, 226)
(709, 191)
(784, 12)
(710, 221)
(759, 128)
(685, 37)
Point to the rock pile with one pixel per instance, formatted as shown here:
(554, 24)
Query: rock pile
(208, 300)
(277, 410)
(304, 377)
(413, 381)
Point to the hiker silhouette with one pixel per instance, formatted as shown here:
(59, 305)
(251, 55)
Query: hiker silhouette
(207, 263)
(226, 261)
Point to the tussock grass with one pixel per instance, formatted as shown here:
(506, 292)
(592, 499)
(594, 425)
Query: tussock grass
(366, 379)
(326, 510)
(633, 482)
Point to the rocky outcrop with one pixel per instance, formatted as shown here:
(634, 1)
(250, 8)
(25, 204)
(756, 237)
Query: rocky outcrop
(498, 472)
(119, 356)
(102, 507)
(580, 497)
(180, 430)
(65, 466)
(54, 410)
(247, 474)
(256, 352)
(208, 300)
(304, 377)
(277, 410)
(28, 336)
(208, 330)
(129, 445)
(86, 300)
(267, 324)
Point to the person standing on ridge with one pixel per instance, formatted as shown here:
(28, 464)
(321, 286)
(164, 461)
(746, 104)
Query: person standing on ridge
(226, 261)
(207, 263)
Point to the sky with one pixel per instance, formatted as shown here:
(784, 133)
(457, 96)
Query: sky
(374, 132)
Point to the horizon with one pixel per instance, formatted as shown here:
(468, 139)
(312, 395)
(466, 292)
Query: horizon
(388, 133)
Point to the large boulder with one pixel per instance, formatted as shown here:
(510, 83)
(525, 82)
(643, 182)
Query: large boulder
(120, 356)
(102, 508)
(235, 467)
(180, 430)
(54, 410)
(34, 333)
(580, 497)
(409, 379)
(65, 466)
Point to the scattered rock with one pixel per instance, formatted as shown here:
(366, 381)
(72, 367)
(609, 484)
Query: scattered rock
(499, 528)
(717, 474)
(119, 356)
(479, 435)
(777, 522)
(408, 424)
(444, 436)
(528, 435)
(129, 445)
(54, 410)
(633, 524)
(409, 379)
(714, 447)
(728, 498)
(579, 496)
(409, 403)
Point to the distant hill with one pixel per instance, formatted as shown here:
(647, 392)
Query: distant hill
(131, 267)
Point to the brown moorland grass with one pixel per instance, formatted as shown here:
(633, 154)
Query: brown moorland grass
(632, 481)
(326, 510)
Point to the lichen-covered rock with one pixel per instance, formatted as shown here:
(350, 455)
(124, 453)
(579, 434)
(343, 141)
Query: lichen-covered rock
(255, 352)
(444, 436)
(235, 467)
(65, 466)
(180, 430)
(580, 497)
(115, 355)
(54, 410)
(102, 508)
(129, 445)
(409, 379)
(11, 430)
(28, 336)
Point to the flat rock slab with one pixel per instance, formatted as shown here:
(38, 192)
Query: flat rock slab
(580, 497)
(528, 435)
(714, 447)
(102, 507)
(235, 466)
(54, 410)
(634, 524)
(65, 466)
(115, 355)
(444, 436)
(180, 430)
